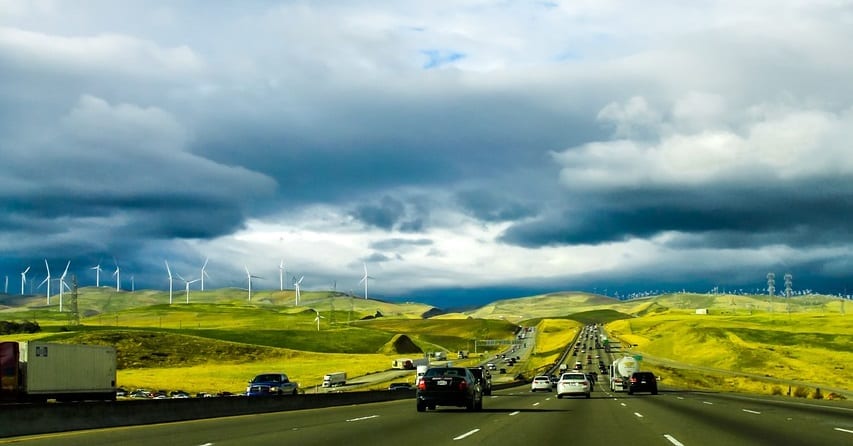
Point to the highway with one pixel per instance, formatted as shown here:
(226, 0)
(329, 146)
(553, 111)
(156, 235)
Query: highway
(510, 417)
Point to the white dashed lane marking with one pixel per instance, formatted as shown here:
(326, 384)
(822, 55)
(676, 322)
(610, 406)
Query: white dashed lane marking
(673, 440)
(638, 414)
(514, 413)
(751, 411)
(362, 418)
(844, 430)
(466, 434)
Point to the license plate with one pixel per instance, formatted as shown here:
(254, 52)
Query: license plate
(442, 383)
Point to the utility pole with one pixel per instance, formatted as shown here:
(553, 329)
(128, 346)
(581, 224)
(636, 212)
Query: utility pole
(771, 288)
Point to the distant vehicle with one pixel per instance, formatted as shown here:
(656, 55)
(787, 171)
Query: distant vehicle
(39, 371)
(554, 379)
(271, 384)
(462, 354)
(402, 364)
(400, 386)
(421, 370)
(449, 386)
(540, 383)
(440, 356)
(573, 384)
(179, 394)
(578, 365)
(620, 373)
(491, 366)
(335, 379)
(484, 378)
(563, 367)
(642, 382)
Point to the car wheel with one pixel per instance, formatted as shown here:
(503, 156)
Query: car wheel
(470, 405)
(630, 392)
(587, 396)
(421, 407)
(559, 396)
(294, 392)
(488, 392)
(432, 407)
(479, 405)
(655, 392)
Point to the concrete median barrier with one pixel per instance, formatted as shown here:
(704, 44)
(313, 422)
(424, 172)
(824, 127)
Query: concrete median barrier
(30, 419)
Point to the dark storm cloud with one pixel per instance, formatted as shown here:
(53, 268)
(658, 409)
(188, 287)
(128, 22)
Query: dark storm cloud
(396, 243)
(494, 207)
(799, 214)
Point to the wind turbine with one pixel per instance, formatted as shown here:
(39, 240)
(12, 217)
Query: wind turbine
(6, 290)
(97, 269)
(24, 279)
(170, 280)
(63, 284)
(117, 275)
(203, 272)
(296, 284)
(317, 319)
(187, 283)
(365, 279)
(47, 280)
(250, 277)
(281, 275)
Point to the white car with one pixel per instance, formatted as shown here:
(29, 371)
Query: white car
(573, 384)
(541, 383)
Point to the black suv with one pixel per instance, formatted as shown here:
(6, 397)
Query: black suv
(643, 382)
(484, 378)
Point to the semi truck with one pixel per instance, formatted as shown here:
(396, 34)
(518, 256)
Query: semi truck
(620, 373)
(402, 364)
(37, 371)
(335, 379)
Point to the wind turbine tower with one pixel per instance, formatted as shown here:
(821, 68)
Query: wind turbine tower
(187, 284)
(6, 289)
(281, 275)
(364, 280)
(317, 319)
(250, 277)
(117, 275)
(63, 284)
(24, 280)
(169, 271)
(296, 287)
(203, 273)
(47, 280)
(97, 269)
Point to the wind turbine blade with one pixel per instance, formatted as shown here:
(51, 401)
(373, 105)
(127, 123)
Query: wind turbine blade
(168, 270)
(66, 269)
(205, 263)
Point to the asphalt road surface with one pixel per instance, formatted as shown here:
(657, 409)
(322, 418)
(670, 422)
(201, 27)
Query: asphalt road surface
(510, 417)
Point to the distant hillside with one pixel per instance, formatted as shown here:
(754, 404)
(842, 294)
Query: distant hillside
(546, 305)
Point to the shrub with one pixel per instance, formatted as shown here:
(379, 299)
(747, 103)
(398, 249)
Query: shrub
(817, 395)
(776, 390)
(801, 392)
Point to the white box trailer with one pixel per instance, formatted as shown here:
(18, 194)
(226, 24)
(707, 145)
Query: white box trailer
(335, 379)
(62, 371)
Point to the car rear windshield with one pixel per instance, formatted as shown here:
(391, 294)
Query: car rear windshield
(445, 372)
(575, 376)
(267, 378)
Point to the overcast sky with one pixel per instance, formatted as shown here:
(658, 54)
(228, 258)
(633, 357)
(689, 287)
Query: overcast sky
(462, 150)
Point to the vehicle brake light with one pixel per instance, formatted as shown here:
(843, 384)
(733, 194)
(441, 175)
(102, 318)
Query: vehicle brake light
(633, 380)
(463, 385)
(421, 384)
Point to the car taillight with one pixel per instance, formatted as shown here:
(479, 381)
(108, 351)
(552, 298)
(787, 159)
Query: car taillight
(586, 383)
(633, 380)
(463, 385)
(421, 384)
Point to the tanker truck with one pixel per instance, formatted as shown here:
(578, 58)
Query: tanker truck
(620, 373)
(40, 371)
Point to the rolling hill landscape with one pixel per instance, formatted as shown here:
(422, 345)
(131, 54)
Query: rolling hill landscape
(219, 340)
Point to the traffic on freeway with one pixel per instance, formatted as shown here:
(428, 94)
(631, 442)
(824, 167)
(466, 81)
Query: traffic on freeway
(510, 417)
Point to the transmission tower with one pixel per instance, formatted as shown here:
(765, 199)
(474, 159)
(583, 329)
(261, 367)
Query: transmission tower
(771, 288)
(788, 282)
(74, 314)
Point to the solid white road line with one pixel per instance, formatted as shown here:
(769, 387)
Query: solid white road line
(535, 404)
(639, 415)
(751, 411)
(673, 440)
(514, 413)
(708, 403)
(467, 434)
(363, 418)
(844, 430)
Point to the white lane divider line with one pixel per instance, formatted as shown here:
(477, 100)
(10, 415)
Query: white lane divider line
(515, 413)
(751, 411)
(467, 434)
(708, 403)
(673, 440)
(535, 404)
(206, 444)
(362, 418)
(844, 430)
(623, 404)
(638, 414)
(680, 397)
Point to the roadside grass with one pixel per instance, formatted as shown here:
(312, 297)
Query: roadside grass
(802, 347)
(552, 337)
